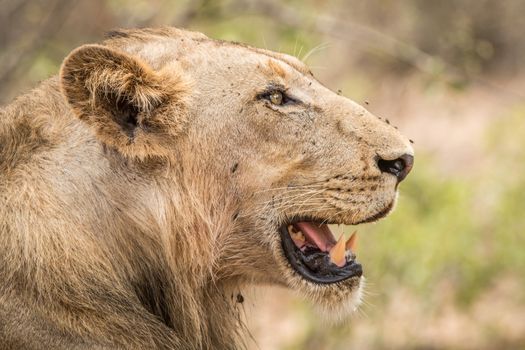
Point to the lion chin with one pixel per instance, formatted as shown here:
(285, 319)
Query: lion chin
(340, 310)
(161, 173)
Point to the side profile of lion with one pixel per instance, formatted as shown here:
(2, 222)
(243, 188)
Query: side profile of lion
(161, 173)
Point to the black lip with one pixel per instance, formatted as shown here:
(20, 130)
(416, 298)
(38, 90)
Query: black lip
(329, 273)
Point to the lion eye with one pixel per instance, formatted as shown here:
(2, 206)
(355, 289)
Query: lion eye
(276, 98)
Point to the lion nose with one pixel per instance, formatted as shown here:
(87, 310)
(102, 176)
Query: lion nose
(399, 167)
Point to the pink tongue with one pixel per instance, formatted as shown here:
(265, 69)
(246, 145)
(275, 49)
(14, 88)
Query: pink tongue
(319, 234)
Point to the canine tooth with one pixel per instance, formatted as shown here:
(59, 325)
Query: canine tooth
(351, 244)
(337, 253)
(298, 236)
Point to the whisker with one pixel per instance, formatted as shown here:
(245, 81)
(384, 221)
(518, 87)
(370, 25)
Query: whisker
(290, 188)
(287, 198)
(292, 196)
(317, 205)
(291, 202)
(300, 51)
(335, 214)
(317, 48)
(288, 203)
(310, 198)
(316, 209)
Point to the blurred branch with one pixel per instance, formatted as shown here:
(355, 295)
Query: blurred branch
(189, 13)
(336, 28)
(17, 58)
(9, 7)
(428, 64)
(10, 10)
(23, 38)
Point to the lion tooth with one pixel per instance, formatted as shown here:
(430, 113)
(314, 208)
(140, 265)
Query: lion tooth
(337, 253)
(297, 236)
(351, 244)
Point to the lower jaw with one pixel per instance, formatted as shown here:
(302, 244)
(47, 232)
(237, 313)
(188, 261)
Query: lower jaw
(326, 274)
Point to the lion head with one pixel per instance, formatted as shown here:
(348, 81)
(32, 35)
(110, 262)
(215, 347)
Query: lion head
(164, 170)
(283, 155)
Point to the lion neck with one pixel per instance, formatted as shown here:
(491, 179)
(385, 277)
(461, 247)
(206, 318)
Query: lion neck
(188, 223)
(148, 240)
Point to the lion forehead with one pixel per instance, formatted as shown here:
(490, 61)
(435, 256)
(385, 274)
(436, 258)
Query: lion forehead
(158, 45)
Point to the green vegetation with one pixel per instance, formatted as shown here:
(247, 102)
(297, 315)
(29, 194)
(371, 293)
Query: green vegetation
(453, 234)
(451, 258)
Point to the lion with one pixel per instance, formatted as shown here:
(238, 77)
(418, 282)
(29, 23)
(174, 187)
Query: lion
(161, 173)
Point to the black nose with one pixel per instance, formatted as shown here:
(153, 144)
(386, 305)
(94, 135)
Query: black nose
(399, 167)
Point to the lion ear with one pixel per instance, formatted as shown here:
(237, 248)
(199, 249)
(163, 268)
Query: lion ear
(129, 106)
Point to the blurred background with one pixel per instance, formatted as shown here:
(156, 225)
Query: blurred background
(447, 269)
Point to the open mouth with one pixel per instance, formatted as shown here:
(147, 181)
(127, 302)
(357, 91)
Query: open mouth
(314, 253)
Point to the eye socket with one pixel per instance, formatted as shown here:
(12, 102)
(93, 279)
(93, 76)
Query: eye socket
(276, 98)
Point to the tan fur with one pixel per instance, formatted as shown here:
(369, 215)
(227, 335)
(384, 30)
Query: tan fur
(276, 69)
(141, 190)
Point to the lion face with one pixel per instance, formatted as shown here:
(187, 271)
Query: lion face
(289, 153)
(299, 157)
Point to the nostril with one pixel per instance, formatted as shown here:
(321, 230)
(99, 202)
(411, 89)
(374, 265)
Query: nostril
(393, 167)
(399, 167)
